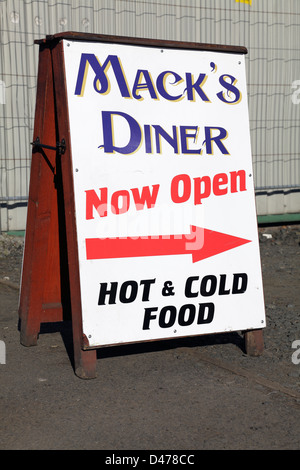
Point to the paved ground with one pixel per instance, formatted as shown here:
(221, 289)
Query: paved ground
(191, 394)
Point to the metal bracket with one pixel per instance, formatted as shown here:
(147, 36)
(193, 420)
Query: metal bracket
(60, 146)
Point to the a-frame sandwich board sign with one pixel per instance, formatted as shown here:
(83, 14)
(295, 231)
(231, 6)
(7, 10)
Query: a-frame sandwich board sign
(141, 214)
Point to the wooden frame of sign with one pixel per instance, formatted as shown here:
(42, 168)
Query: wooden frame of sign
(50, 285)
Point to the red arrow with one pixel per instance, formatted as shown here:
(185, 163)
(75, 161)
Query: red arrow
(201, 243)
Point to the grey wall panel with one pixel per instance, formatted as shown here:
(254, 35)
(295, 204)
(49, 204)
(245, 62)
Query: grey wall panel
(269, 29)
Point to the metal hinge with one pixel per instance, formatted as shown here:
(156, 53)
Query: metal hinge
(60, 146)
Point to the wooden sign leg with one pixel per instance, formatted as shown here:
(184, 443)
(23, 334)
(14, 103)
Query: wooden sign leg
(84, 360)
(50, 262)
(254, 342)
(40, 285)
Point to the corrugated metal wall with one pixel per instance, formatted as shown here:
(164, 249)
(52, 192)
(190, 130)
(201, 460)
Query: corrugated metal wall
(268, 28)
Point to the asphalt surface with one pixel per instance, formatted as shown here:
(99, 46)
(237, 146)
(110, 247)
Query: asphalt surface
(187, 395)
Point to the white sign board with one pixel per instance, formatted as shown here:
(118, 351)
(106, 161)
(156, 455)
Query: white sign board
(163, 186)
